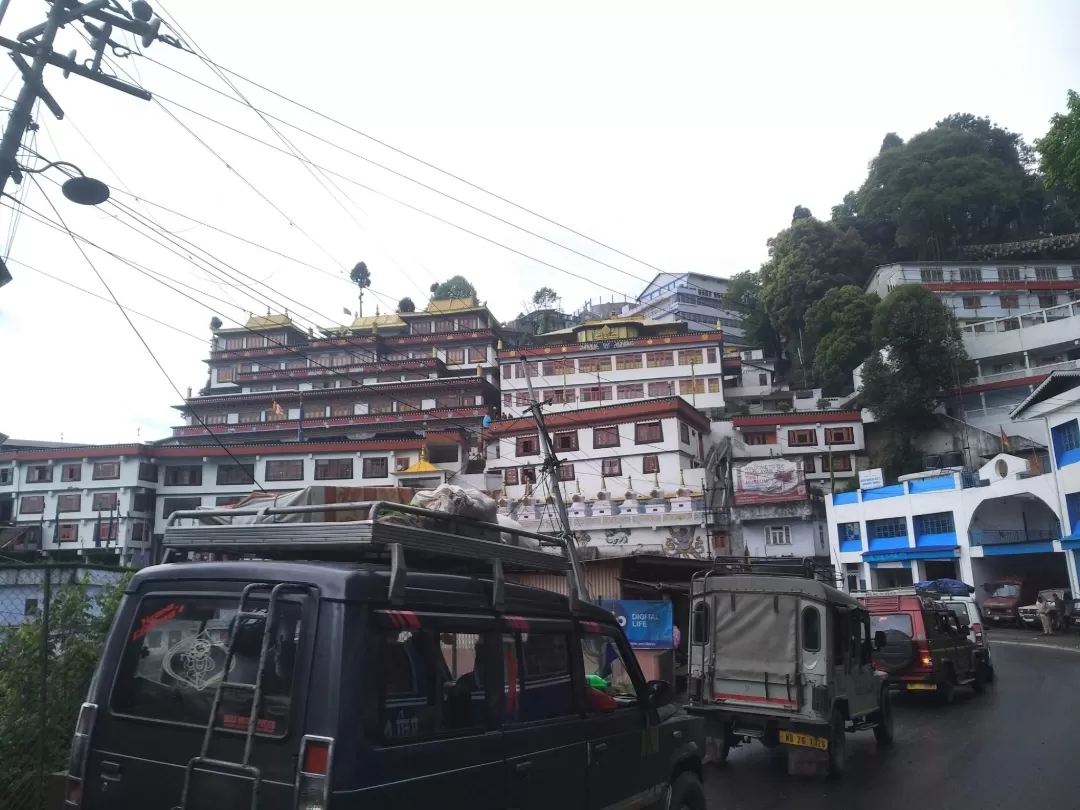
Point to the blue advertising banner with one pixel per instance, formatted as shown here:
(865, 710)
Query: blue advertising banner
(648, 625)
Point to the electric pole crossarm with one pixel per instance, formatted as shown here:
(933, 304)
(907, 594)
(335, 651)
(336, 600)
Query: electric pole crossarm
(42, 93)
(65, 18)
(71, 66)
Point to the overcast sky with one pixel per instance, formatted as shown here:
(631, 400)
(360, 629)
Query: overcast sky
(681, 134)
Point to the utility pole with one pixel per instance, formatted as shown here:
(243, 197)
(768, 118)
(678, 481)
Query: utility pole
(551, 464)
(37, 44)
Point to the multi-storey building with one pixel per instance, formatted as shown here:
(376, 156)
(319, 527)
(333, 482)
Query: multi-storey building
(1019, 323)
(616, 360)
(691, 298)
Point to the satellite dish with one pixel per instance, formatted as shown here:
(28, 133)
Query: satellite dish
(85, 190)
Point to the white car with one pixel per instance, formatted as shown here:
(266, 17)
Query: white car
(1029, 614)
(966, 608)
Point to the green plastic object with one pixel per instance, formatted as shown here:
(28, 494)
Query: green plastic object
(596, 682)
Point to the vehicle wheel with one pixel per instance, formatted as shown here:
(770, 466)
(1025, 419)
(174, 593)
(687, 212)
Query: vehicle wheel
(718, 748)
(982, 677)
(687, 793)
(883, 731)
(837, 744)
(990, 673)
(947, 690)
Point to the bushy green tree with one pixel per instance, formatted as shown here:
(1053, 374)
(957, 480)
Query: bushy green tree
(837, 336)
(406, 305)
(743, 296)
(1059, 149)
(453, 287)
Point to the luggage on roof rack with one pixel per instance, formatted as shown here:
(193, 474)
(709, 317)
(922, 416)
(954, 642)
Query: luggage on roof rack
(376, 531)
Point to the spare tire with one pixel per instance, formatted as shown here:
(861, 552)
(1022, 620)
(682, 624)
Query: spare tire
(897, 655)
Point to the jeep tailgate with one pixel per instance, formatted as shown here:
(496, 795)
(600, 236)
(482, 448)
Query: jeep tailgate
(755, 653)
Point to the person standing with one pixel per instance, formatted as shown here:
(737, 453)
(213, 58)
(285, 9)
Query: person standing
(1045, 606)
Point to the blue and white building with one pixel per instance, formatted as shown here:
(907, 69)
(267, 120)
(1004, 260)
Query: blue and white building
(1012, 517)
(694, 298)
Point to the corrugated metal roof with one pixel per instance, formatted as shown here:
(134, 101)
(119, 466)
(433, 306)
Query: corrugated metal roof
(1040, 393)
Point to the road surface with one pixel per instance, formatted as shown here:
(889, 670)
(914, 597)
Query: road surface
(1015, 747)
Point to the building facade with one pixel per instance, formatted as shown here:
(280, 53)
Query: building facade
(691, 298)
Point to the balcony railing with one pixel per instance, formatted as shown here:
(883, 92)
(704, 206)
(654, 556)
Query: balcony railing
(1013, 322)
(1032, 371)
(997, 537)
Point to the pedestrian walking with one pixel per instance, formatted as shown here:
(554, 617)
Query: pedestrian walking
(1045, 606)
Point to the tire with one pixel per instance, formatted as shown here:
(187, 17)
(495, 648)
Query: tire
(947, 690)
(982, 677)
(687, 793)
(990, 674)
(883, 731)
(837, 744)
(718, 748)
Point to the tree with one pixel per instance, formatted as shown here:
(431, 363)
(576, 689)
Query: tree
(805, 261)
(545, 298)
(361, 277)
(453, 287)
(743, 295)
(1059, 149)
(800, 213)
(890, 140)
(215, 323)
(837, 336)
(917, 363)
(406, 305)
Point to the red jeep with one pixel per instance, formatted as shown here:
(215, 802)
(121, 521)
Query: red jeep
(1002, 600)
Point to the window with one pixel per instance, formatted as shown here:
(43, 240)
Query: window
(528, 475)
(337, 361)
(932, 274)
(763, 379)
(170, 505)
(187, 475)
(455, 357)
(142, 502)
(802, 438)
(508, 400)
(684, 433)
(566, 472)
(1047, 301)
(234, 343)
(443, 453)
(69, 533)
(594, 365)
(401, 463)
(662, 389)
(148, 685)
(1046, 273)
(650, 464)
(523, 369)
(886, 528)
(659, 359)
(971, 274)
(282, 415)
(5, 475)
(611, 467)
(602, 656)
(605, 437)
(472, 322)
(811, 629)
(421, 327)
(971, 302)
(510, 477)
(444, 325)
(148, 472)
(563, 365)
(388, 405)
(32, 505)
(758, 438)
(528, 445)
(70, 502)
(690, 357)
(841, 435)
(297, 365)
(562, 396)
(1008, 273)
(839, 463)
(631, 391)
(694, 386)
(214, 418)
(710, 355)
(71, 472)
(543, 688)
(1009, 301)
(285, 470)
(315, 411)
(566, 441)
(105, 501)
(700, 621)
(250, 417)
(596, 394)
(329, 469)
(342, 410)
(937, 523)
(778, 535)
(225, 374)
(625, 362)
(376, 467)
(477, 354)
(714, 385)
(521, 399)
(648, 432)
(39, 473)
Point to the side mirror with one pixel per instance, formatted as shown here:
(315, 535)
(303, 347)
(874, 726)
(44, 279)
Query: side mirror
(659, 693)
(880, 640)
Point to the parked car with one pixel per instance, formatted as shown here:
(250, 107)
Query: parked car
(1074, 619)
(968, 612)
(780, 656)
(1003, 597)
(927, 646)
(348, 684)
(1061, 619)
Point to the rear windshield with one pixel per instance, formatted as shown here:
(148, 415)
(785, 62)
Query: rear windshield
(891, 624)
(1008, 590)
(960, 609)
(175, 656)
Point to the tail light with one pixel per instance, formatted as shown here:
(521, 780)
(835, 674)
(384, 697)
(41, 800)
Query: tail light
(80, 750)
(977, 628)
(923, 654)
(313, 778)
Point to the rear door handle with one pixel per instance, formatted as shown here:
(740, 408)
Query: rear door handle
(110, 771)
(523, 767)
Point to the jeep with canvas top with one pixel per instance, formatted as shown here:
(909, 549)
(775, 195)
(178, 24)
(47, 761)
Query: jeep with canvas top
(779, 655)
(379, 659)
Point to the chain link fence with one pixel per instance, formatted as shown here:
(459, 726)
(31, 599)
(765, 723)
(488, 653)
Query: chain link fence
(53, 622)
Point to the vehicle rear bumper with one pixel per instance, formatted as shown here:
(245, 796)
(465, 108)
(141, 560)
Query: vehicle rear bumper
(759, 725)
(901, 681)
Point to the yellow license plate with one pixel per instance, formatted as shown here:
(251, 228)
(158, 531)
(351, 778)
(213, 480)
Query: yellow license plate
(922, 687)
(805, 740)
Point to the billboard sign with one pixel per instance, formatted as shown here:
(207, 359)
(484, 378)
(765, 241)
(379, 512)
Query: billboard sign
(871, 479)
(648, 625)
(769, 480)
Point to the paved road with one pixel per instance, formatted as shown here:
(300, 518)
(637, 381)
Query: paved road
(1015, 747)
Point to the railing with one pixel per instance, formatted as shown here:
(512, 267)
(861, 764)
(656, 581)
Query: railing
(996, 537)
(1013, 322)
(996, 410)
(1032, 371)
(697, 518)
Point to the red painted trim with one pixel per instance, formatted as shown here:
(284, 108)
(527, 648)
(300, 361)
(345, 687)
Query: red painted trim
(99, 451)
(314, 395)
(374, 445)
(753, 699)
(1004, 286)
(657, 342)
(389, 367)
(995, 386)
(808, 417)
(606, 415)
(389, 419)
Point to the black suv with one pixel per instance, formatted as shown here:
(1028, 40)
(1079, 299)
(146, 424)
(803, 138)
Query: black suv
(275, 684)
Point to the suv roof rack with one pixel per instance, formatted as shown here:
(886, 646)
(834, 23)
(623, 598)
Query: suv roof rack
(437, 541)
(802, 567)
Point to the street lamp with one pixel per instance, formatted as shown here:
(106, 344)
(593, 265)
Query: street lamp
(80, 188)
